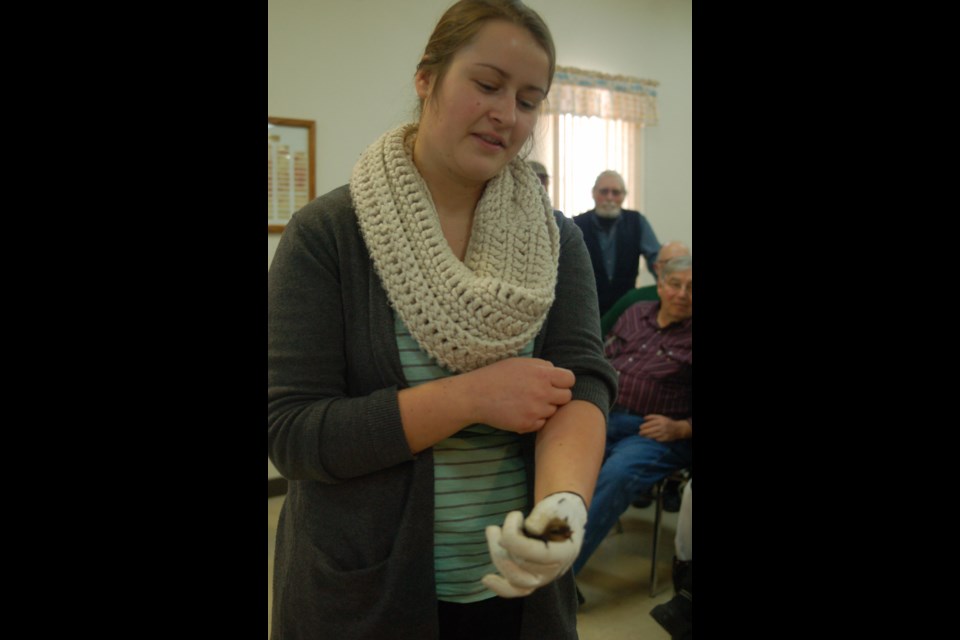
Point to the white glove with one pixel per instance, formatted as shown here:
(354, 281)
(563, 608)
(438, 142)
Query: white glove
(526, 562)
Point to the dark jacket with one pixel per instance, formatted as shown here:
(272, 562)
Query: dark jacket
(354, 555)
(635, 238)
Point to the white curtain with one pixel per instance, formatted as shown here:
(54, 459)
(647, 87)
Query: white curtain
(593, 122)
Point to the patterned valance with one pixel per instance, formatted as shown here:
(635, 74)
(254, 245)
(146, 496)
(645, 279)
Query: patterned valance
(591, 93)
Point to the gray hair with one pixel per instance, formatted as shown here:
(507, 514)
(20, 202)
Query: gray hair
(680, 263)
(611, 173)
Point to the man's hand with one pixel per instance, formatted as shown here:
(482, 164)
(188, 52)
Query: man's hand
(529, 554)
(663, 429)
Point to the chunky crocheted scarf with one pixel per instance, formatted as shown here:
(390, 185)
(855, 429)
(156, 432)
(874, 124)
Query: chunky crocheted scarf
(468, 314)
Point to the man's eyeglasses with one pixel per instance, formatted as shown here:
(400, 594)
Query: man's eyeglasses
(606, 191)
(677, 287)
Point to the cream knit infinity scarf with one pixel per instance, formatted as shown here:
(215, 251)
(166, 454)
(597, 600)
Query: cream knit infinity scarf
(467, 314)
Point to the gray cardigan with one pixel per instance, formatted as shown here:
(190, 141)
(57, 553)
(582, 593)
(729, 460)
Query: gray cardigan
(354, 555)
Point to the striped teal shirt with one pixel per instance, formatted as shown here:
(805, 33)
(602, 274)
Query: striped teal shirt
(479, 477)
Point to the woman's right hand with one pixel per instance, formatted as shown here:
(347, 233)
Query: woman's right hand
(516, 394)
(519, 394)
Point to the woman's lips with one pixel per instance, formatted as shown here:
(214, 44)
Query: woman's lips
(490, 140)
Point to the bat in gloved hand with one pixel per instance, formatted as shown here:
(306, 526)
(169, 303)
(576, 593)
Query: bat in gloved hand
(522, 562)
(557, 530)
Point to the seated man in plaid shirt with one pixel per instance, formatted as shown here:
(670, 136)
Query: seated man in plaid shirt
(650, 428)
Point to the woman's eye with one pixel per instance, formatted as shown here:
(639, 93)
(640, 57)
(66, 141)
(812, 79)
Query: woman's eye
(486, 87)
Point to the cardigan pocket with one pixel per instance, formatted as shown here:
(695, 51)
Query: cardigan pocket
(344, 591)
(361, 572)
(319, 600)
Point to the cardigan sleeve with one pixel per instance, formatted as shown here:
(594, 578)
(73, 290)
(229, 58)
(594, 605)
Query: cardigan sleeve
(571, 337)
(331, 414)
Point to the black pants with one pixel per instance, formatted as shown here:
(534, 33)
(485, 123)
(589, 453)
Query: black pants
(493, 619)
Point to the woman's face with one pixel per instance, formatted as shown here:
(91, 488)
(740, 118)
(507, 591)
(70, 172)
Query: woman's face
(486, 107)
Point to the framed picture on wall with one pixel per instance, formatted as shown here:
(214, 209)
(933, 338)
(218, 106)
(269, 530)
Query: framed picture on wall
(291, 169)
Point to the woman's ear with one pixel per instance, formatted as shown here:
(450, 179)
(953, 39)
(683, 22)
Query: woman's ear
(423, 81)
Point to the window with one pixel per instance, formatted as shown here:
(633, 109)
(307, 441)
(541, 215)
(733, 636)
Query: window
(594, 122)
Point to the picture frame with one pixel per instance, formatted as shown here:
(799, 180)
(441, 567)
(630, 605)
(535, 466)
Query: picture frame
(291, 169)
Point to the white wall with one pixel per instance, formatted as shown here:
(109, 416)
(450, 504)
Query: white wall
(349, 66)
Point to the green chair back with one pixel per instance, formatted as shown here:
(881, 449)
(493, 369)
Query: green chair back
(635, 295)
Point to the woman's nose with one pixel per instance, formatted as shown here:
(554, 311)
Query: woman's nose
(504, 110)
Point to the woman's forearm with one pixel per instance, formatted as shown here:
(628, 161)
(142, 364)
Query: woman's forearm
(570, 451)
(433, 411)
(516, 394)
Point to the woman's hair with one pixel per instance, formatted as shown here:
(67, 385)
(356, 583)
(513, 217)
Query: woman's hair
(461, 23)
(680, 263)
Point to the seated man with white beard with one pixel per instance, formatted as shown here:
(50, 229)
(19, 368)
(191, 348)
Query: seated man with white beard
(616, 238)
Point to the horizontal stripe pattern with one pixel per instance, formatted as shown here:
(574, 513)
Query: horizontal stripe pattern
(479, 477)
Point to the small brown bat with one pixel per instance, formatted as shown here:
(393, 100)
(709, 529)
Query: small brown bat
(557, 530)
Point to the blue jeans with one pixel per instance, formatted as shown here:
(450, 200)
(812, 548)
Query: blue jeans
(632, 465)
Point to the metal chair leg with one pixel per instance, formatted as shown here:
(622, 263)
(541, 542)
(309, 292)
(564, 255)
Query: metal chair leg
(656, 537)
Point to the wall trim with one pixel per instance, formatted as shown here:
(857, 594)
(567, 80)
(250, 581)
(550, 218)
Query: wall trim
(276, 487)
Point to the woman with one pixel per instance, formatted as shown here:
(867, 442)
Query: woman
(434, 370)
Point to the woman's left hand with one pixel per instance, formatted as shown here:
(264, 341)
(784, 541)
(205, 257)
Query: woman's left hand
(529, 554)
